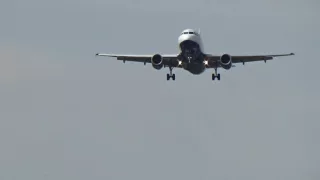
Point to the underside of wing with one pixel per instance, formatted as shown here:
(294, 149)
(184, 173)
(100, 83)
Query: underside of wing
(134, 58)
(225, 61)
(244, 59)
(154, 59)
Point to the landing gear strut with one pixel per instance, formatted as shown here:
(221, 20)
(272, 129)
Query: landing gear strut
(215, 75)
(171, 75)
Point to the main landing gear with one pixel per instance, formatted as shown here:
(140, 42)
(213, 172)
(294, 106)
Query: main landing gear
(215, 75)
(171, 75)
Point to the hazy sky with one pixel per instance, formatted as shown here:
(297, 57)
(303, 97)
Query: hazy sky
(65, 114)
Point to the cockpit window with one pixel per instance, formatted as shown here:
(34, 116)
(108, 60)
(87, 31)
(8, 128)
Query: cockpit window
(191, 32)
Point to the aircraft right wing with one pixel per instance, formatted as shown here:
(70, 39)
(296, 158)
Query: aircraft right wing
(167, 59)
(134, 58)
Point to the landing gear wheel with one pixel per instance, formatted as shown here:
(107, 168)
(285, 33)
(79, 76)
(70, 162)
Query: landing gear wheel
(216, 75)
(171, 75)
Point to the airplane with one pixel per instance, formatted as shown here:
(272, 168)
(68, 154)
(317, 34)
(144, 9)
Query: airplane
(192, 57)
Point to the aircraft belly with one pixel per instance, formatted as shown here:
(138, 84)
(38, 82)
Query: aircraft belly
(195, 68)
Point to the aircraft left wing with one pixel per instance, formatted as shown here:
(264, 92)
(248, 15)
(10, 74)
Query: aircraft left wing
(244, 59)
(167, 59)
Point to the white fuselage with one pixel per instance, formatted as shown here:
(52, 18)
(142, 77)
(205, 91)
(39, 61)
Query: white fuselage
(192, 52)
(187, 36)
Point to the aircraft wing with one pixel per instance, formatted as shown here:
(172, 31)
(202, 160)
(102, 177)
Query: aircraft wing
(167, 59)
(244, 59)
(172, 59)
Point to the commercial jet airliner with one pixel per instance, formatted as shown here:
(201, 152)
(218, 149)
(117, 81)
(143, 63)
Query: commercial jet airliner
(192, 57)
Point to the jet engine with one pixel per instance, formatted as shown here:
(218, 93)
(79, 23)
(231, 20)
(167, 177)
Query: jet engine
(226, 61)
(157, 61)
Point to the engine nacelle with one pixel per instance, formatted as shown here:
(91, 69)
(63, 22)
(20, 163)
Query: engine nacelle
(157, 61)
(226, 61)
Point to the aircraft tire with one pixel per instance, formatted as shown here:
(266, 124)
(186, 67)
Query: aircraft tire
(216, 76)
